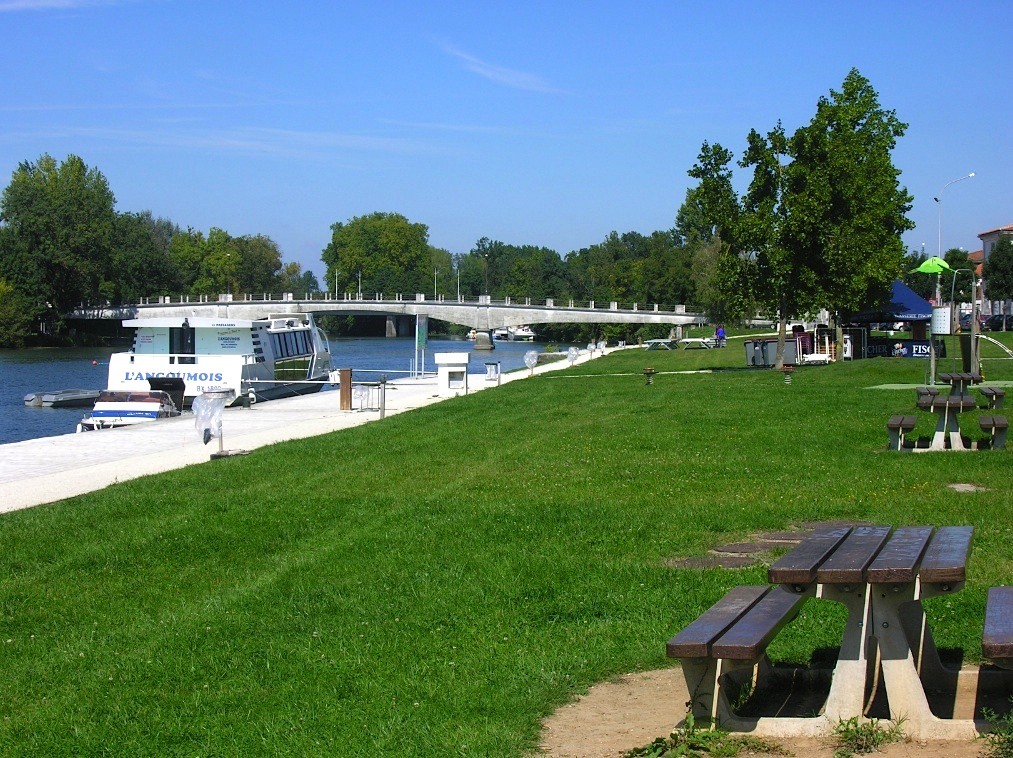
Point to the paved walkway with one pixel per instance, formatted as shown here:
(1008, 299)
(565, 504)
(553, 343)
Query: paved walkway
(45, 470)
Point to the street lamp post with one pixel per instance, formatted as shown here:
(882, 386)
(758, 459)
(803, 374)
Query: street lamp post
(359, 273)
(975, 363)
(485, 271)
(939, 252)
(434, 282)
(939, 208)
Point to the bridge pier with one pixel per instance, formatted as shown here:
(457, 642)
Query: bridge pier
(483, 340)
(400, 326)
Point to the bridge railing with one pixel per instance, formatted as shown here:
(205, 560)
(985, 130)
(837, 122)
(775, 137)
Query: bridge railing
(383, 298)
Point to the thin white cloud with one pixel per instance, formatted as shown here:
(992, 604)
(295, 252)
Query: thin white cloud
(437, 126)
(44, 5)
(261, 141)
(45, 107)
(508, 77)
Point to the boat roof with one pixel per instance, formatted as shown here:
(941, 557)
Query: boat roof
(197, 322)
(203, 322)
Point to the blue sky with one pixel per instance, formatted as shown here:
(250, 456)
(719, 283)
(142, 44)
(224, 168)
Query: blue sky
(544, 123)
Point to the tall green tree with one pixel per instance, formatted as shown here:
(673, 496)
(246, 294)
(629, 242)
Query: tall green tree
(58, 220)
(717, 215)
(293, 279)
(920, 284)
(444, 274)
(820, 224)
(389, 252)
(707, 292)
(845, 206)
(259, 264)
(716, 200)
(139, 263)
(186, 251)
(960, 280)
(15, 318)
(778, 278)
(998, 271)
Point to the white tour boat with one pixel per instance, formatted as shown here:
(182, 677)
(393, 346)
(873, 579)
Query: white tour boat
(278, 356)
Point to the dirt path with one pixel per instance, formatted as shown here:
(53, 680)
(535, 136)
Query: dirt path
(615, 717)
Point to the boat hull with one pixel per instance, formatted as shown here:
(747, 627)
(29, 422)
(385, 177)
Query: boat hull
(61, 399)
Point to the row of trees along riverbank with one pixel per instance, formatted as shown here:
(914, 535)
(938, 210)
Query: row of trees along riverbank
(818, 226)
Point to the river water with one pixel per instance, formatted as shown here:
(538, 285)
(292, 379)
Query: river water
(45, 369)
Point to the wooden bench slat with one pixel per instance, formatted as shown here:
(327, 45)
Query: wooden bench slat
(898, 561)
(800, 564)
(954, 402)
(945, 558)
(749, 636)
(849, 563)
(905, 423)
(695, 640)
(997, 641)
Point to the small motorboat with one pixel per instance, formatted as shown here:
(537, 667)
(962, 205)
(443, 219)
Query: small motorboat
(117, 408)
(61, 398)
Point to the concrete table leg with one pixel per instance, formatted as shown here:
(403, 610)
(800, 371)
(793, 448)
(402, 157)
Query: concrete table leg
(904, 689)
(848, 688)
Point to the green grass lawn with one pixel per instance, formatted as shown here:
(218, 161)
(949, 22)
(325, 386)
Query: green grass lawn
(437, 582)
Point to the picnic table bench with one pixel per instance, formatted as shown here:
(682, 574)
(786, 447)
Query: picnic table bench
(898, 427)
(997, 640)
(881, 575)
(994, 397)
(996, 427)
(732, 636)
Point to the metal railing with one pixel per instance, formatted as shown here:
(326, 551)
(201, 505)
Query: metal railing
(379, 298)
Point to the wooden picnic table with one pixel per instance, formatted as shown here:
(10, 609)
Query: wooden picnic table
(704, 342)
(947, 407)
(960, 381)
(881, 575)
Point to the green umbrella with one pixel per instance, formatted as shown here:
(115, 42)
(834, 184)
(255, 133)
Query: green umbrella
(934, 265)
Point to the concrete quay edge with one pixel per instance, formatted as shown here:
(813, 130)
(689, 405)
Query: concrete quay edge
(49, 469)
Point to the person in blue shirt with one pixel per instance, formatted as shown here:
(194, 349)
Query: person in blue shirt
(719, 335)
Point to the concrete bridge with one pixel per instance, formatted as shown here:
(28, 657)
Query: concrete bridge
(481, 313)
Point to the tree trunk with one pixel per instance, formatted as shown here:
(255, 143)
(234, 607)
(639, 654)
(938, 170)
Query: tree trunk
(782, 328)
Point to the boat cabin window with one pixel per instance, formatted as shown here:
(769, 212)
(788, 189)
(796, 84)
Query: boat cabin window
(181, 341)
(289, 344)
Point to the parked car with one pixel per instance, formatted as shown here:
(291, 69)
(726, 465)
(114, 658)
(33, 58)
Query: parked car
(995, 323)
(965, 322)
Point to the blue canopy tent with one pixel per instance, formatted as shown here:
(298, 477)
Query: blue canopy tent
(904, 305)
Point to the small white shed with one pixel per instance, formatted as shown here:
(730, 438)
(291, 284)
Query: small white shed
(452, 373)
